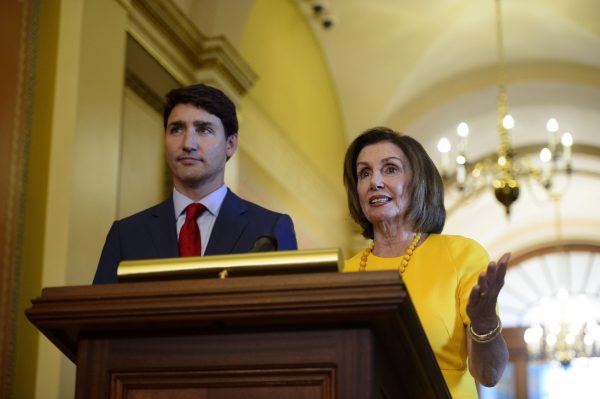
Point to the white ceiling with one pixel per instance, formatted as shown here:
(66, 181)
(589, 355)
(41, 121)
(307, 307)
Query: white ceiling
(423, 67)
(386, 54)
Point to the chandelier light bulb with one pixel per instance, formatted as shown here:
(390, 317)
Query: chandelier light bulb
(551, 340)
(567, 139)
(552, 125)
(533, 334)
(461, 160)
(508, 122)
(570, 339)
(545, 155)
(444, 145)
(463, 129)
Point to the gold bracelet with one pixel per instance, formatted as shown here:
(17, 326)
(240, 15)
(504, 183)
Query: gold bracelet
(487, 337)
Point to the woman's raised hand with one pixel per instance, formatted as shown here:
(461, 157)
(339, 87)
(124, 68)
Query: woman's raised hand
(481, 307)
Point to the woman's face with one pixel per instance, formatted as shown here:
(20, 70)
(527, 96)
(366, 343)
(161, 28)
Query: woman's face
(384, 176)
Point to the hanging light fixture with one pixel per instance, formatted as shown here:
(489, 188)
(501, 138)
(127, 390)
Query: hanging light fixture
(564, 326)
(506, 167)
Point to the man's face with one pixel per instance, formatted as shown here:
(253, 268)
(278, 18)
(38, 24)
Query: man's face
(196, 149)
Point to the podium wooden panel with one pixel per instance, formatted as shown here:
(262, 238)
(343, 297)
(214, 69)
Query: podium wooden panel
(322, 335)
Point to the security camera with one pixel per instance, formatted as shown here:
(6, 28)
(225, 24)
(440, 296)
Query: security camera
(328, 22)
(318, 7)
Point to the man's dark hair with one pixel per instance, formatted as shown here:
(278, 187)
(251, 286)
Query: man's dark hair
(426, 209)
(208, 98)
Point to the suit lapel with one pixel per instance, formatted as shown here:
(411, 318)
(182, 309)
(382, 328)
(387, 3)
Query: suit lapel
(163, 229)
(228, 227)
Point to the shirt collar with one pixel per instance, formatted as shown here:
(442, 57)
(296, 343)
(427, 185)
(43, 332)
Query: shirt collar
(212, 201)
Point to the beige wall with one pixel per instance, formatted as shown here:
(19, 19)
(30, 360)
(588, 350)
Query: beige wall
(292, 125)
(77, 131)
(93, 136)
(141, 157)
(16, 72)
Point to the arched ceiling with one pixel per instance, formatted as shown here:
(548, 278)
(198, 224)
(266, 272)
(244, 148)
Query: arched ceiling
(394, 62)
(543, 275)
(424, 66)
(386, 55)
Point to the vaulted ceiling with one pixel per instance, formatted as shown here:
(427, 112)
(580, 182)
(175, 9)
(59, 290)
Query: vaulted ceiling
(422, 67)
(394, 61)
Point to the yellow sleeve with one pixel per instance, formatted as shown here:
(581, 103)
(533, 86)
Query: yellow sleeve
(470, 260)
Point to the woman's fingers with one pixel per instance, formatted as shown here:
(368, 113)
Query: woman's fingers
(489, 283)
(492, 279)
(502, 265)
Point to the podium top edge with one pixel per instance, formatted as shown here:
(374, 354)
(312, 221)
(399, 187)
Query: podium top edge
(330, 258)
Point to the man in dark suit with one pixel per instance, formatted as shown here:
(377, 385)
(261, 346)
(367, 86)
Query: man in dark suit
(201, 132)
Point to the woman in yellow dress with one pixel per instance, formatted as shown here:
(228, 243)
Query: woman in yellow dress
(395, 194)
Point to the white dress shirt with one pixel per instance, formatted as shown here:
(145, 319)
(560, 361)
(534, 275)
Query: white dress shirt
(206, 221)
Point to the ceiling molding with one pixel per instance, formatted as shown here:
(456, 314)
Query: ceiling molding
(169, 36)
(145, 92)
(554, 247)
(220, 56)
(164, 32)
(483, 78)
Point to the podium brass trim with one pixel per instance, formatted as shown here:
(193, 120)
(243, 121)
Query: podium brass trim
(221, 266)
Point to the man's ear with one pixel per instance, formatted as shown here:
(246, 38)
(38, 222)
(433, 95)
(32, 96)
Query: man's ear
(231, 145)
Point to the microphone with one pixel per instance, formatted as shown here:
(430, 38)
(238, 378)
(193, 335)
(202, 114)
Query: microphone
(264, 243)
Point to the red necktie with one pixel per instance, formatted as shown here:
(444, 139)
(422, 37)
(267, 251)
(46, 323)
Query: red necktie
(190, 243)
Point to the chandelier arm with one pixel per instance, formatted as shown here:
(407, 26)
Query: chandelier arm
(507, 167)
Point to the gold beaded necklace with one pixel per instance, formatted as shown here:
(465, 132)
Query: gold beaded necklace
(405, 257)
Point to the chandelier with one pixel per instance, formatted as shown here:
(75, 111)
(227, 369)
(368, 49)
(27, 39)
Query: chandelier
(505, 168)
(564, 327)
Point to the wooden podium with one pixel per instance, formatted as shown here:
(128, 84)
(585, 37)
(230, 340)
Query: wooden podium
(322, 335)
